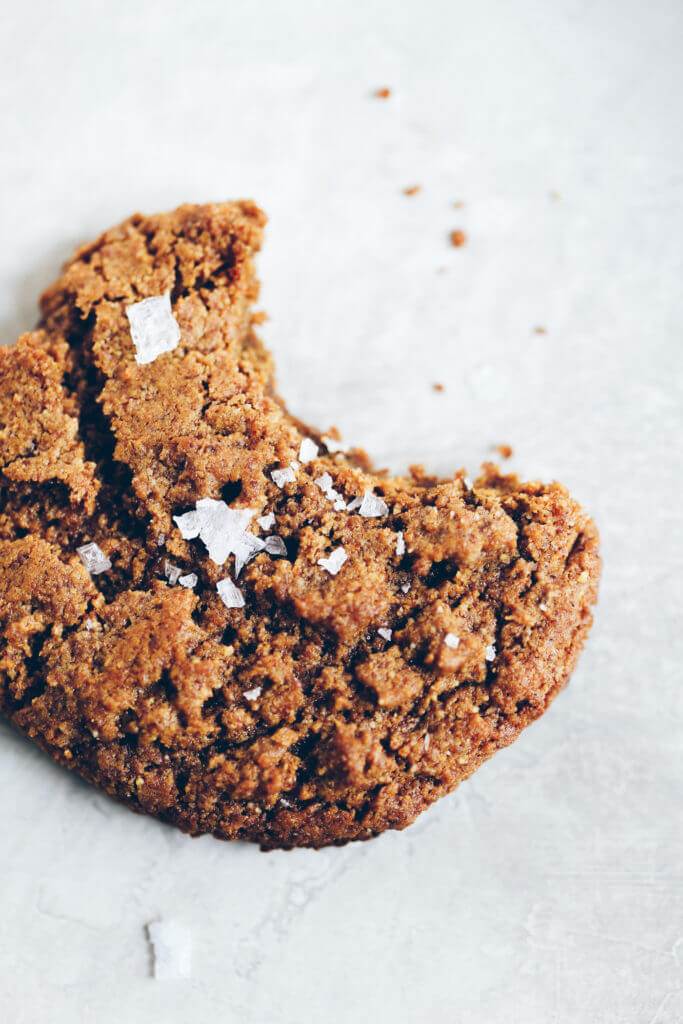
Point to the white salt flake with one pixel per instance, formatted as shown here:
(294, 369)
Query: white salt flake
(405, 587)
(452, 641)
(427, 741)
(153, 327)
(93, 558)
(285, 803)
(89, 624)
(189, 580)
(308, 450)
(275, 546)
(285, 476)
(491, 652)
(468, 483)
(254, 693)
(372, 505)
(172, 950)
(172, 573)
(223, 530)
(325, 482)
(333, 445)
(355, 504)
(266, 522)
(384, 633)
(400, 544)
(543, 607)
(230, 595)
(335, 561)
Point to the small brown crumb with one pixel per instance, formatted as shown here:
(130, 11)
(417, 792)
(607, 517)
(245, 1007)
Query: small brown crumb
(438, 387)
(557, 196)
(382, 94)
(412, 191)
(442, 270)
(541, 330)
(459, 204)
(259, 318)
(458, 238)
(505, 450)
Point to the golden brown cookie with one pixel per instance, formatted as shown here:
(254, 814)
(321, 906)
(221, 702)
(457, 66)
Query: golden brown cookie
(215, 615)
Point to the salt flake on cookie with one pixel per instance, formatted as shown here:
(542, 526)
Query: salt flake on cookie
(153, 327)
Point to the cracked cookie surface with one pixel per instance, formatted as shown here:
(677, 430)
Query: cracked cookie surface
(337, 700)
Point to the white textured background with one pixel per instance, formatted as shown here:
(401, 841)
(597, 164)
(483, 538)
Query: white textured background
(549, 889)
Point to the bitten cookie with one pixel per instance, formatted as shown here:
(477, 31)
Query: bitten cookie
(219, 616)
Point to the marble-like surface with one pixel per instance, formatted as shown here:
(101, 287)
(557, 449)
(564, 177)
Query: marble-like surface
(549, 888)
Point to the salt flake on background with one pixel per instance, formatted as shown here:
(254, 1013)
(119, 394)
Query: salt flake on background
(171, 948)
(153, 327)
(372, 505)
(230, 595)
(335, 561)
(223, 530)
(93, 558)
(308, 450)
(284, 476)
(275, 546)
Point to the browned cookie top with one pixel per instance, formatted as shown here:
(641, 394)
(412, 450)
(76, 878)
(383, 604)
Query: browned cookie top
(384, 635)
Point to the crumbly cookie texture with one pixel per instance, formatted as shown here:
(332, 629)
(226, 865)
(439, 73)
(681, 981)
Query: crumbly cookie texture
(379, 654)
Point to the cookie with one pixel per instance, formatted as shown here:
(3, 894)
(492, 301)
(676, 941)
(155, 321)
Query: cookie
(220, 617)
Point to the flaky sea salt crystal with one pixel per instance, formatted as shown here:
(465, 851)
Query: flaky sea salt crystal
(284, 802)
(254, 693)
(93, 558)
(405, 587)
(324, 482)
(172, 573)
(153, 327)
(333, 445)
(491, 652)
(452, 641)
(427, 739)
(284, 476)
(468, 483)
(354, 504)
(223, 530)
(230, 595)
(384, 633)
(543, 607)
(308, 450)
(372, 505)
(189, 581)
(335, 561)
(89, 624)
(172, 950)
(400, 544)
(275, 546)
(266, 522)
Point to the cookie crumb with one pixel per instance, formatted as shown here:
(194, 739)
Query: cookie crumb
(438, 387)
(458, 238)
(412, 190)
(459, 204)
(171, 950)
(153, 328)
(230, 595)
(382, 94)
(541, 330)
(93, 558)
(334, 562)
(506, 451)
